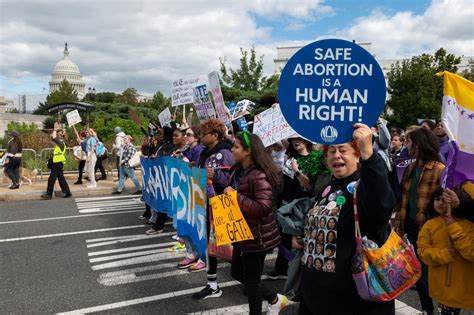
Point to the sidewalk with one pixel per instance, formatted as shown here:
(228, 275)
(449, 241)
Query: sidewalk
(38, 187)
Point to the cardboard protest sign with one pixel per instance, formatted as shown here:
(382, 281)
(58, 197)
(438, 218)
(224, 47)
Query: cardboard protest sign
(218, 98)
(173, 187)
(182, 90)
(73, 117)
(271, 126)
(165, 117)
(229, 223)
(327, 87)
(202, 103)
(241, 109)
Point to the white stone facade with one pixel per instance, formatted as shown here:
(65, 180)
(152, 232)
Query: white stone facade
(66, 69)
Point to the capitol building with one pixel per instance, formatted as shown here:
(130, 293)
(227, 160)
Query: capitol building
(67, 69)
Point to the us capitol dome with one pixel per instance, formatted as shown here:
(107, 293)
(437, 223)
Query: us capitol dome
(67, 69)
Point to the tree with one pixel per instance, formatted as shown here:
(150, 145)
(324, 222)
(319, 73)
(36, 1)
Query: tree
(159, 102)
(248, 82)
(469, 74)
(42, 109)
(129, 96)
(65, 93)
(105, 97)
(415, 90)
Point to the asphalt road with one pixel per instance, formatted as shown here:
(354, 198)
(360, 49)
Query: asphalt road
(91, 255)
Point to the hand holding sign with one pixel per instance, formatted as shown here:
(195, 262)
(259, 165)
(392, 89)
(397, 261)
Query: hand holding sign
(363, 138)
(329, 85)
(229, 223)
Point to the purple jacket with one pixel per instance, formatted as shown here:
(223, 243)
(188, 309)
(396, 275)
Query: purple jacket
(193, 154)
(218, 156)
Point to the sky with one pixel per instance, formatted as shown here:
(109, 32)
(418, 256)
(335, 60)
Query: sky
(146, 44)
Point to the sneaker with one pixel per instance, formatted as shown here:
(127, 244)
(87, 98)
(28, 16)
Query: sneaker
(175, 237)
(79, 182)
(197, 266)
(273, 275)
(138, 192)
(153, 232)
(188, 262)
(91, 186)
(281, 303)
(207, 292)
(46, 197)
(177, 248)
(67, 195)
(142, 217)
(116, 192)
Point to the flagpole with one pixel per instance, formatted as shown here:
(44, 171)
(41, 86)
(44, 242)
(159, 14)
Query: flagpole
(449, 270)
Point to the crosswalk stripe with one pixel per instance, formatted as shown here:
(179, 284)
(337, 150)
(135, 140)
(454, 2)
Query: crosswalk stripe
(103, 210)
(127, 249)
(139, 260)
(108, 204)
(127, 255)
(86, 199)
(129, 239)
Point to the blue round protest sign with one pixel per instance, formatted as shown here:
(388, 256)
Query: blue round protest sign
(327, 87)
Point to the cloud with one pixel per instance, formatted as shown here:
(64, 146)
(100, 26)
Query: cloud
(445, 23)
(143, 44)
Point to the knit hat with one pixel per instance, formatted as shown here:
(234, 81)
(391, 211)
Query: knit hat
(14, 133)
(117, 130)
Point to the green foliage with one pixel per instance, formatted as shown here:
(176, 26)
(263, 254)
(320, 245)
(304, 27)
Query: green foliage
(248, 82)
(42, 109)
(415, 90)
(469, 74)
(65, 93)
(105, 97)
(48, 123)
(129, 96)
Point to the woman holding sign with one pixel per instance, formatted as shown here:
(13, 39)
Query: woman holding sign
(255, 176)
(331, 289)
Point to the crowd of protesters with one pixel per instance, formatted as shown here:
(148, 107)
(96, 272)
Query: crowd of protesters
(295, 182)
(272, 183)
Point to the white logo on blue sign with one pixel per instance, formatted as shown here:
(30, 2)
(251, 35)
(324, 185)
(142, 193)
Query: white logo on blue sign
(327, 87)
(329, 134)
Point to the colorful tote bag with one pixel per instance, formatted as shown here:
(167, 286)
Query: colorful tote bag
(382, 274)
(223, 252)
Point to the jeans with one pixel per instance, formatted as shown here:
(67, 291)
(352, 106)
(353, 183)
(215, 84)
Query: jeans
(12, 169)
(57, 173)
(130, 172)
(247, 268)
(90, 167)
(412, 231)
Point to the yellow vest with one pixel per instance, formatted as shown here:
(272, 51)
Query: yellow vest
(58, 154)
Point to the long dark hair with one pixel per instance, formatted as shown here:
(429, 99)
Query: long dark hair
(426, 143)
(167, 134)
(18, 142)
(462, 195)
(260, 157)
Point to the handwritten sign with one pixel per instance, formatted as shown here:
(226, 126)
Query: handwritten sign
(202, 103)
(242, 108)
(229, 223)
(327, 87)
(73, 117)
(271, 126)
(182, 90)
(218, 98)
(173, 187)
(165, 117)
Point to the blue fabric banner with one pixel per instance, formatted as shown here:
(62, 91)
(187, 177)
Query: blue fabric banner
(173, 187)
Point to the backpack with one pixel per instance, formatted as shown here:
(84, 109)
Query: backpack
(101, 150)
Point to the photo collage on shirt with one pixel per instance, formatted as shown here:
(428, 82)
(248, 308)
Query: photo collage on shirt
(320, 233)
